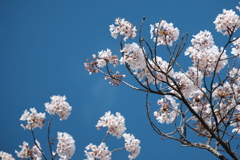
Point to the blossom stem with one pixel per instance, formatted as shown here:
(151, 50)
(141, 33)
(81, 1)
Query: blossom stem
(105, 137)
(118, 149)
(49, 142)
(34, 139)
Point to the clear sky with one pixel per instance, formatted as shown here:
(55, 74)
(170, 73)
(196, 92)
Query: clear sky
(43, 45)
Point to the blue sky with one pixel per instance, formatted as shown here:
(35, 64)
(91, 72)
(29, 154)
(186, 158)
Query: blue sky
(43, 45)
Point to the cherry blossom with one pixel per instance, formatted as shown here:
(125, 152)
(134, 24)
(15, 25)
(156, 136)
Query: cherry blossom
(164, 33)
(33, 119)
(115, 124)
(205, 55)
(27, 152)
(202, 40)
(6, 156)
(227, 22)
(106, 56)
(66, 146)
(132, 145)
(168, 111)
(133, 56)
(236, 49)
(100, 152)
(189, 82)
(237, 125)
(60, 106)
(124, 28)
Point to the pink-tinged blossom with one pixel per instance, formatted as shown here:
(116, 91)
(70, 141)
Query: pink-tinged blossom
(115, 124)
(189, 82)
(236, 48)
(59, 106)
(206, 59)
(168, 111)
(133, 56)
(132, 145)
(202, 40)
(124, 28)
(66, 146)
(164, 33)
(105, 56)
(100, 152)
(33, 119)
(27, 152)
(161, 68)
(227, 22)
(6, 156)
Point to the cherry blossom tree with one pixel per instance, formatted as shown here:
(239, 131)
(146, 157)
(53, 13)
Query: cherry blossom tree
(203, 100)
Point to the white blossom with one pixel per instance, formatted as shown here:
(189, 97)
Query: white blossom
(124, 28)
(101, 152)
(236, 49)
(27, 152)
(238, 7)
(6, 156)
(33, 119)
(205, 55)
(60, 106)
(132, 145)
(188, 82)
(164, 33)
(105, 56)
(133, 56)
(168, 111)
(237, 125)
(115, 124)
(66, 146)
(227, 22)
(202, 40)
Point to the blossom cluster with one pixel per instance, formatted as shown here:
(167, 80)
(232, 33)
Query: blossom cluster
(59, 106)
(100, 152)
(236, 49)
(105, 56)
(227, 22)
(164, 33)
(229, 93)
(66, 146)
(6, 156)
(133, 56)
(26, 152)
(205, 55)
(168, 111)
(189, 81)
(66, 143)
(132, 145)
(115, 124)
(33, 119)
(116, 127)
(124, 28)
